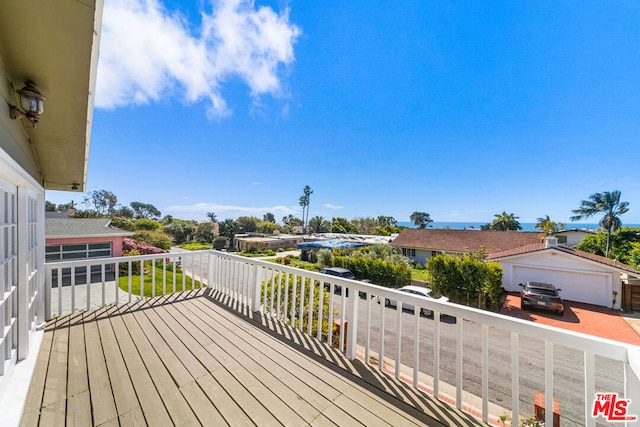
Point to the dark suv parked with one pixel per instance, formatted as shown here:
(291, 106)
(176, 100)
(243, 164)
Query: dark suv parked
(541, 295)
(338, 272)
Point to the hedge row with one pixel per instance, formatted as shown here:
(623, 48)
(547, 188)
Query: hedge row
(383, 273)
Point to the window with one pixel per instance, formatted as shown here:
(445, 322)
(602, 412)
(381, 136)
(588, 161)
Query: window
(562, 240)
(75, 251)
(408, 252)
(434, 253)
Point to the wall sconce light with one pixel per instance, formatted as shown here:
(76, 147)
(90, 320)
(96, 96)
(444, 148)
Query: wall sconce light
(32, 102)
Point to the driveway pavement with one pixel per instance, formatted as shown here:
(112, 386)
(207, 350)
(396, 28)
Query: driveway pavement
(579, 317)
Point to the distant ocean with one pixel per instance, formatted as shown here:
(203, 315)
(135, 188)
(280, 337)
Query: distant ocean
(526, 226)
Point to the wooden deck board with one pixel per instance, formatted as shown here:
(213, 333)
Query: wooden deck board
(187, 359)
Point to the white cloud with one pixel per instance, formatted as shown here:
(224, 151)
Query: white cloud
(199, 211)
(330, 206)
(147, 54)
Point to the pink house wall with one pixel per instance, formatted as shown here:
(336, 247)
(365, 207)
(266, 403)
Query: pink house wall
(116, 242)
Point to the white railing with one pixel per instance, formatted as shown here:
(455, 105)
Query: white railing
(461, 353)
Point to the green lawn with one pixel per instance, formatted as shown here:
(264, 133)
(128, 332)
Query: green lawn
(196, 246)
(123, 283)
(420, 275)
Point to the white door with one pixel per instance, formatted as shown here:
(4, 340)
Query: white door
(590, 288)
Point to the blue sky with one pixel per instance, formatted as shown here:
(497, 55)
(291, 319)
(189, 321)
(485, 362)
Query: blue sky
(383, 108)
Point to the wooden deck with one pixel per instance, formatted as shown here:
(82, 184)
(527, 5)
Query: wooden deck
(189, 359)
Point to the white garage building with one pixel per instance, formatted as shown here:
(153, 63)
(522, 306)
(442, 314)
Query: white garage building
(582, 276)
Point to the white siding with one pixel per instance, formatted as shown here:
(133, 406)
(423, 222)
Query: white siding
(580, 280)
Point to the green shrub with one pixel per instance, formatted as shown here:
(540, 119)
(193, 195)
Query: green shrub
(147, 224)
(383, 273)
(219, 243)
(325, 258)
(464, 278)
(154, 238)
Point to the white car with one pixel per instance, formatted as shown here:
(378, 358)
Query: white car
(418, 291)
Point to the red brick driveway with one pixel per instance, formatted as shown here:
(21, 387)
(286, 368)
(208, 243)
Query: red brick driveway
(586, 318)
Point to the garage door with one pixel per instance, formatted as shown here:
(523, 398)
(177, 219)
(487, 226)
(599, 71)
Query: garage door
(582, 287)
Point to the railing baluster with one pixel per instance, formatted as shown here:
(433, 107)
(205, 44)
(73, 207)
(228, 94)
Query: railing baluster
(515, 375)
(59, 278)
(273, 284)
(141, 279)
(88, 284)
(416, 348)
(589, 386)
(485, 373)
(548, 382)
(129, 280)
(367, 348)
(459, 363)
(293, 300)
(73, 289)
(286, 299)
(301, 309)
(343, 317)
(320, 308)
(117, 283)
(153, 278)
(331, 315)
(103, 269)
(381, 352)
(174, 269)
(436, 354)
(280, 274)
(399, 336)
(184, 275)
(164, 276)
(310, 311)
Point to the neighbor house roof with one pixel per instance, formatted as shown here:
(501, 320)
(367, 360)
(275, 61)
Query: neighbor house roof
(537, 247)
(464, 240)
(81, 227)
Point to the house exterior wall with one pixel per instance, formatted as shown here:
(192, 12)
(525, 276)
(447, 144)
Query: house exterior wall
(116, 242)
(572, 237)
(580, 280)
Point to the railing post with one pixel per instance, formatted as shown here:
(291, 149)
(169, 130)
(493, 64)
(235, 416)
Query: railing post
(258, 274)
(352, 318)
(48, 283)
(211, 259)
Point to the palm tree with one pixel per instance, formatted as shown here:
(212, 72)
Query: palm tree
(505, 222)
(318, 224)
(212, 217)
(545, 224)
(607, 203)
(304, 202)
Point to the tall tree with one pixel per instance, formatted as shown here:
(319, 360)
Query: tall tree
(269, 217)
(504, 222)
(144, 210)
(305, 200)
(102, 201)
(421, 219)
(545, 224)
(385, 221)
(290, 222)
(606, 203)
(212, 217)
